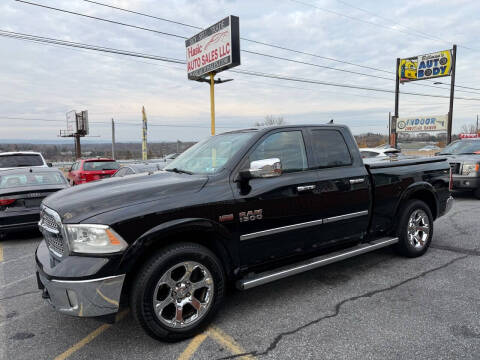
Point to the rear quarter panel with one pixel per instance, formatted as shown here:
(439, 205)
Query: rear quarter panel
(394, 185)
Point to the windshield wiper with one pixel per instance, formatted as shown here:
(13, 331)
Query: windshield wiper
(180, 171)
(469, 153)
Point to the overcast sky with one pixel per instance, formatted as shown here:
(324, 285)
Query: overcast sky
(44, 82)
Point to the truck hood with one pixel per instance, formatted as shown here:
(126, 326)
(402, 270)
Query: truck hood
(84, 201)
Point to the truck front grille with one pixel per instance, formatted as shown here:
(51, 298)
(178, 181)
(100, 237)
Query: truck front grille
(455, 167)
(51, 230)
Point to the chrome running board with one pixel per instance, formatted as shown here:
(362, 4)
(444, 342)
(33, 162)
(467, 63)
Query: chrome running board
(297, 268)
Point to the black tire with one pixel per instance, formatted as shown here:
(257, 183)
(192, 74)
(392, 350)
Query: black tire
(476, 193)
(146, 282)
(408, 245)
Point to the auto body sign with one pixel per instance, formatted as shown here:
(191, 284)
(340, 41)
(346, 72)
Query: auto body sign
(422, 124)
(426, 66)
(214, 49)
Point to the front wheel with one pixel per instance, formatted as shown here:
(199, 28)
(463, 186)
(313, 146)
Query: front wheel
(177, 292)
(415, 229)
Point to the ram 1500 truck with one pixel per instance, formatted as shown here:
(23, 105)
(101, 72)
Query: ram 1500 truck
(246, 208)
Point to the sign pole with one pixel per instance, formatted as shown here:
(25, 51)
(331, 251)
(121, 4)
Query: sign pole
(212, 102)
(452, 90)
(397, 93)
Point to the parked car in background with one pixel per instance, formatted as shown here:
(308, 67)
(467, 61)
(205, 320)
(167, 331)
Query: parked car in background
(464, 158)
(86, 170)
(381, 152)
(21, 192)
(9, 160)
(137, 168)
(167, 159)
(429, 148)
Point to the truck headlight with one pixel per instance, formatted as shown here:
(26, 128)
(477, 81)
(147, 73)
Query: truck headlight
(93, 239)
(469, 168)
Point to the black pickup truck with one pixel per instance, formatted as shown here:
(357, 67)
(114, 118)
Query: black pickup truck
(245, 208)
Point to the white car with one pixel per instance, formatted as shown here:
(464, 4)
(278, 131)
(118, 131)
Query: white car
(379, 152)
(430, 148)
(10, 160)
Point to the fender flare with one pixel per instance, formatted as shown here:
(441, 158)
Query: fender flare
(160, 233)
(413, 188)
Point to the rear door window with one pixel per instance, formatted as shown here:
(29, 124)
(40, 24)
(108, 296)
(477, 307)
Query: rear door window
(17, 160)
(31, 179)
(329, 149)
(100, 165)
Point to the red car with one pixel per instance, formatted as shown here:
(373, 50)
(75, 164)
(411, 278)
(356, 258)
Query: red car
(86, 170)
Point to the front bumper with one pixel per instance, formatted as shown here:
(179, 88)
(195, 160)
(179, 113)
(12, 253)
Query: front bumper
(79, 285)
(84, 298)
(465, 182)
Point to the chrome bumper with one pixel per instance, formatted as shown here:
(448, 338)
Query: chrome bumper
(85, 298)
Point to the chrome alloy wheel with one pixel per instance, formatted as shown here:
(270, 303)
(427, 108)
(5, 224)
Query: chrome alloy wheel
(183, 294)
(418, 229)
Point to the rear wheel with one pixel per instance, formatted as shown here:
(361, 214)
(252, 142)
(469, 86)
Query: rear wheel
(178, 291)
(415, 229)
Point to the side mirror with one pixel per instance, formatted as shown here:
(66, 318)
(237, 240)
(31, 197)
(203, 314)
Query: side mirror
(263, 169)
(49, 164)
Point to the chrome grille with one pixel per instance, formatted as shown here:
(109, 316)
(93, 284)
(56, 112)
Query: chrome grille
(51, 230)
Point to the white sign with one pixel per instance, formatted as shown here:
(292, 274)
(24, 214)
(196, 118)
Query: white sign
(422, 124)
(71, 121)
(214, 49)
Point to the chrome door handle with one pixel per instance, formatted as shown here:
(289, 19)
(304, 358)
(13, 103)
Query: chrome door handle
(357, 181)
(306, 188)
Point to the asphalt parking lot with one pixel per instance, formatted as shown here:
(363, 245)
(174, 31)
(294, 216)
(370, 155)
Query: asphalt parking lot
(376, 306)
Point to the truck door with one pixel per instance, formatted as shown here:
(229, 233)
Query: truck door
(278, 216)
(343, 186)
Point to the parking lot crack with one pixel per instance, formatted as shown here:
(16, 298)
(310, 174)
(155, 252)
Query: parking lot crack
(473, 252)
(338, 308)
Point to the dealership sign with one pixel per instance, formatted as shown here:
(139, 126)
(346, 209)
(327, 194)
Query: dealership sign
(422, 124)
(426, 66)
(469, 136)
(214, 49)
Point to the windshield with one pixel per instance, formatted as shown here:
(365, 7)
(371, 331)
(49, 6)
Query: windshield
(462, 147)
(100, 165)
(16, 160)
(31, 179)
(210, 155)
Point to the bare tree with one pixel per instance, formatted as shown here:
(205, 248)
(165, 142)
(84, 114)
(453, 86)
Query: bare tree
(469, 128)
(271, 120)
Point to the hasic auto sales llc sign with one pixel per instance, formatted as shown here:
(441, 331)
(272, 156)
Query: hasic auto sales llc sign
(214, 49)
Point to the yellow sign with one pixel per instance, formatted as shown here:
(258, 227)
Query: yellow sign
(426, 66)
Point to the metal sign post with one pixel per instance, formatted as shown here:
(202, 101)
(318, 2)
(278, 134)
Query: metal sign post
(212, 103)
(452, 90)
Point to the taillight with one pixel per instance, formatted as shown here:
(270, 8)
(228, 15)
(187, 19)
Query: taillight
(5, 202)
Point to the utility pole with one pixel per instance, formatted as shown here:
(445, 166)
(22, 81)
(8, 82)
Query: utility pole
(144, 134)
(452, 90)
(477, 125)
(113, 139)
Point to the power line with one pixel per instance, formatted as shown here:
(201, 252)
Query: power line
(418, 33)
(154, 57)
(282, 48)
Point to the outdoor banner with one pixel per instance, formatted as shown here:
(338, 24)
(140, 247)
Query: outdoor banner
(426, 66)
(214, 49)
(422, 124)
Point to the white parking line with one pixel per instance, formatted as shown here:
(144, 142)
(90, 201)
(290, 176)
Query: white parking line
(17, 281)
(16, 259)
